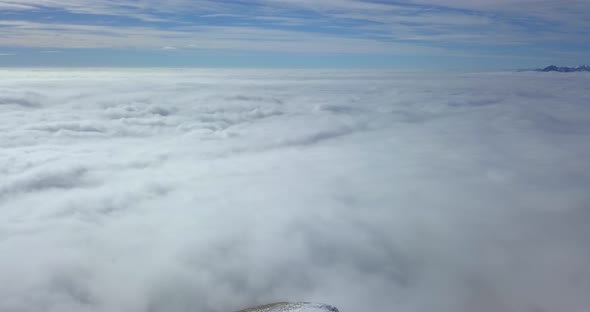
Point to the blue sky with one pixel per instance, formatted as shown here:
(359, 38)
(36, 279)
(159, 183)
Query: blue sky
(411, 34)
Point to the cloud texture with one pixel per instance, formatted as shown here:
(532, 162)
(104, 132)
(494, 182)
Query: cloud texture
(503, 32)
(213, 190)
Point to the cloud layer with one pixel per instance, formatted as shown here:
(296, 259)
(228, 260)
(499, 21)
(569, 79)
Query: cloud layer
(196, 190)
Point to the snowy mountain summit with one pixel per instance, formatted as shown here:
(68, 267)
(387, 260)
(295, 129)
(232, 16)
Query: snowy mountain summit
(293, 307)
(563, 69)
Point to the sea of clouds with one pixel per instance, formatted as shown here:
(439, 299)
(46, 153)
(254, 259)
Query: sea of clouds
(214, 190)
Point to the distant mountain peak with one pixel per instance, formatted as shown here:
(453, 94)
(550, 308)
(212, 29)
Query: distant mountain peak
(565, 69)
(293, 307)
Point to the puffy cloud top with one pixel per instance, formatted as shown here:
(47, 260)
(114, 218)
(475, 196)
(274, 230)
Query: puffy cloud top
(202, 190)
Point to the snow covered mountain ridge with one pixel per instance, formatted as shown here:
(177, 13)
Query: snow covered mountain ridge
(565, 69)
(292, 307)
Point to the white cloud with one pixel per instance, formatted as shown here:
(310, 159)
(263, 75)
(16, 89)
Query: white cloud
(133, 9)
(40, 35)
(569, 13)
(339, 25)
(213, 190)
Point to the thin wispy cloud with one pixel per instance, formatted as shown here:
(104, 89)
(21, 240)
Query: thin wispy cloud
(205, 37)
(454, 27)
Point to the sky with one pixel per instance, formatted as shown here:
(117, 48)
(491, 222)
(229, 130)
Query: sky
(405, 34)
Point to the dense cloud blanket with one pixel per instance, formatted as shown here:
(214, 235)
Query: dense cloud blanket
(215, 190)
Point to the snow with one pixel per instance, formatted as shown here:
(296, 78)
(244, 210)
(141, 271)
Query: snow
(215, 190)
(294, 307)
(563, 69)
